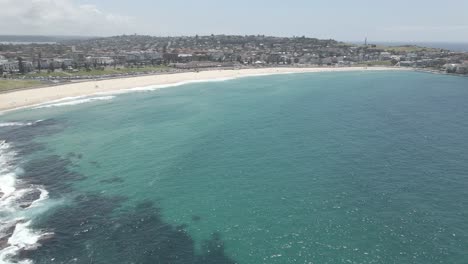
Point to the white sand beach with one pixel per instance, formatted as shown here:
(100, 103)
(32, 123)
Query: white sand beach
(35, 96)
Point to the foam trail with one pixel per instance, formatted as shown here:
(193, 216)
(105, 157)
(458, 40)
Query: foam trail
(12, 124)
(80, 100)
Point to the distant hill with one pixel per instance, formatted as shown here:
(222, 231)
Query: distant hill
(452, 46)
(39, 39)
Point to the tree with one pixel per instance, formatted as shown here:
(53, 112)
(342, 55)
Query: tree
(21, 65)
(51, 66)
(64, 67)
(1, 70)
(39, 62)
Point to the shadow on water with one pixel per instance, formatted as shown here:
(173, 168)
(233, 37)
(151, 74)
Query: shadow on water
(94, 228)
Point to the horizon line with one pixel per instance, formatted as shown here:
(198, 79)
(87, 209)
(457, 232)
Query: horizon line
(224, 34)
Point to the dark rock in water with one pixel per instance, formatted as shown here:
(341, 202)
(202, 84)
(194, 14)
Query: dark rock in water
(3, 243)
(6, 232)
(28, 198)
(79, 156)
(5, 235)
(196, 218)
(47, 236)
(1, 195)
(113, 180)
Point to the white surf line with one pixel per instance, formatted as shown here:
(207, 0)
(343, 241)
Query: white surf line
(11, 124)
(13, 215)
(75, 102)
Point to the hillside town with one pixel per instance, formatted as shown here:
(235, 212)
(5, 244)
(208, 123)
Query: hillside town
(136, 54)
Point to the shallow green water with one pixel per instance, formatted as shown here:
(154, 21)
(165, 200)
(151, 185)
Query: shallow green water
(358, 167)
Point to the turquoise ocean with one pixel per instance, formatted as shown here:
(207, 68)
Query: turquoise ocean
(345, 167)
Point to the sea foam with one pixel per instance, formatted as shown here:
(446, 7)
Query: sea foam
(17, 209)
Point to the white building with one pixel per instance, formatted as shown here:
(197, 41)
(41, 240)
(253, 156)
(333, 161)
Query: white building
(9, 66)
(100, 60)
(385, 56)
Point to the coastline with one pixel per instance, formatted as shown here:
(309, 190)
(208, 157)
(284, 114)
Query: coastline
(20, 99)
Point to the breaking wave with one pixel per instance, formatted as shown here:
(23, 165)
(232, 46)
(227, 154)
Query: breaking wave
(19, 202)
(161, 86)
(73, 101)
(12, 124)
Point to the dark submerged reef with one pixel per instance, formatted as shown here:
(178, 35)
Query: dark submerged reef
(52, 172)
(23, 136)
(90, 232)
(94, 229)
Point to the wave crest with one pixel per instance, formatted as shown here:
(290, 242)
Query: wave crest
(73, 101)
(16, 124)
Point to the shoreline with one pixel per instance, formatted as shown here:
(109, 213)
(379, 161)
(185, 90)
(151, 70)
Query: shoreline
(20, 99)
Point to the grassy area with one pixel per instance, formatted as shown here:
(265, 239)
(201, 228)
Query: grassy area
(375, 63)
(406, 48)
(6, 85)
(97, 72)
(52, 74)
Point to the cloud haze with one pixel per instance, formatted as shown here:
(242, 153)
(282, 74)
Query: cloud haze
(397, 20)
(59, 17)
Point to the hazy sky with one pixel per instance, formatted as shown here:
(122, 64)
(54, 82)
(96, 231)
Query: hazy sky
(396, 20)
